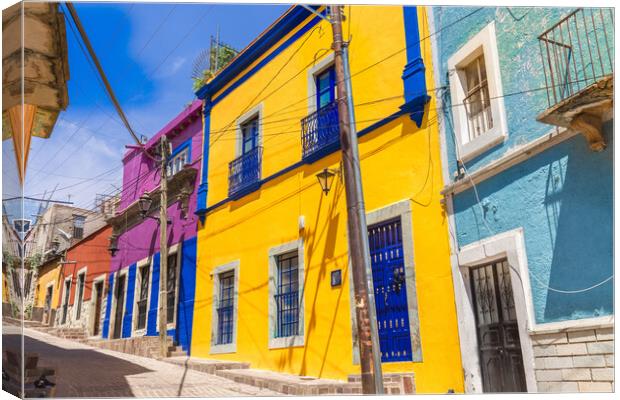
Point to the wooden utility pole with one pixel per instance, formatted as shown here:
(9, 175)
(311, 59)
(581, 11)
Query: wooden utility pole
(163, 247)
(359, 253)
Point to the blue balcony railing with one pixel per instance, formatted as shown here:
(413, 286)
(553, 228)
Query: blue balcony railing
(244, 173)
(320, 132)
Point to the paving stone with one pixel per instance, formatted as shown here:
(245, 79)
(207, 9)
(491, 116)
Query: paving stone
(605, 334)
(595, 387)
(558, 387)
(601, 347)
(603, 374)
(582, 336)
(558, 362)
(545, 350)
(609, 360)
(576, 374)
(589, 361)
(549, 375)
(571, 349)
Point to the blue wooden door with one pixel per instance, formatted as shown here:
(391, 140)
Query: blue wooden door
(388, 275)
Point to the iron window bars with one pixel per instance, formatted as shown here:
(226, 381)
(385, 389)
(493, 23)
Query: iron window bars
(171, 283)
(477, 101)
(287, 295)
(244, 172)
(225, 308)
(320, 132)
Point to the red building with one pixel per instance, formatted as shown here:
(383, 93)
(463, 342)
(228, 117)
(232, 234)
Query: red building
(83, 287)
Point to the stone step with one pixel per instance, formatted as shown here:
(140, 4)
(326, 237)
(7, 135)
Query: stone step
(204, 365)
(306, 385)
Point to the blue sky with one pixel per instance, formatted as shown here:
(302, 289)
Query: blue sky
(147, 51)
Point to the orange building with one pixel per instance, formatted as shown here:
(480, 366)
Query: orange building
(83, 288)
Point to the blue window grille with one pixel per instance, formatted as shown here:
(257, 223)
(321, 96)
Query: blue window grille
(287, 295)
(249, 135)
(244, 173)
(225, 308)
(388, 275)
(320, 131)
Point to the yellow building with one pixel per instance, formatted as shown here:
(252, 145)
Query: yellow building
(48, 289)
(272, 246)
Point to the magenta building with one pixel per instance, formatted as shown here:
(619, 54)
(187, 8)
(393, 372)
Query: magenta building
(133, 295)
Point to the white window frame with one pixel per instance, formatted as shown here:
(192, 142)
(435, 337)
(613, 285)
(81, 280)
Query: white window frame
(117, 275)
(144, 262)
(81, 271)
(170, 165)
(484, 42)
(318, 68)
(99, 278)
(254, 112)
(403, 210)
(215, 275)
(508, 245)
(173, 250)
(299, 339)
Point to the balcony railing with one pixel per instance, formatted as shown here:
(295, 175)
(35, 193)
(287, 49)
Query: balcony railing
(244, 172)
(320, 132)
(577, 52)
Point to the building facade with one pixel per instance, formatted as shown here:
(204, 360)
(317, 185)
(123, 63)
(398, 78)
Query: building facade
(46, 295)
(273, 283)
(133, 295)
(527, 133)
(83, 279)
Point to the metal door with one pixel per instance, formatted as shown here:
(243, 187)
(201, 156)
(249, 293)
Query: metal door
(388, 276)
(118, 314)
(65, 305)
(501, 360)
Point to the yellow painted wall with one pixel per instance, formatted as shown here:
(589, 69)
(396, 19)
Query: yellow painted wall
(5, 287)
(48, 273)
(399, 161)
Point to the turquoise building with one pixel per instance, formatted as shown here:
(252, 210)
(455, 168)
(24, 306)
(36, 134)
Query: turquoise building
(526, 118)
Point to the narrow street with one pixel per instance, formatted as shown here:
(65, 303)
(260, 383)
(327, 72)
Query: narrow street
(84, 371)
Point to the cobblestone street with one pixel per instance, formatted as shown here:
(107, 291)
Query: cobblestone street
(84, 371)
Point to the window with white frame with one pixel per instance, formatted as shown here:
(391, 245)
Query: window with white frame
(225, 307)
(78, 226)
(476, 94)
(177, 161)
(143, 294)
(286, 300)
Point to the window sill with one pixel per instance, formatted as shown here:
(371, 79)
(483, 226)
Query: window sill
(286, 342)
(479, 145)
(223, 348)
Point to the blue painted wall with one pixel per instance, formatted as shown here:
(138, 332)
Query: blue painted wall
(128, 316)
(562, 198)
(108, 308)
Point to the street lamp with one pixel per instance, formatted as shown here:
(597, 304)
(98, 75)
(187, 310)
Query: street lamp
(326, 179)
(113, 247)
(144, 204)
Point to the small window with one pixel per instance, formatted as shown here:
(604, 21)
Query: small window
(78, 226)
(476, 95)
(477, 104)
(80, 295)
(178, 161)
(287, 295)
(171, 284)
(143, 296)
(225, 308)
(249, 135)
(325, 88)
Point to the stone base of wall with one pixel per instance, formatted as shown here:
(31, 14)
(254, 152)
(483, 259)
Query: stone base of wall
(145, 346)
(575, 360)
(393, 383)
(37, 314)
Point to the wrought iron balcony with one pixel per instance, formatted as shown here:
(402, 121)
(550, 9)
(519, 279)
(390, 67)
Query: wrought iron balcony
(578, 61)
(320, 132)
(244, 173)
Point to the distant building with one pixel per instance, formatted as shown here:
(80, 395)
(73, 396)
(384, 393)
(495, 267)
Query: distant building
(527, 134)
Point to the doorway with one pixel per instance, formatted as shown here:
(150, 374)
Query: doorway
(48, 305)
(118, 312)
(98, 301)
(499, 346)
(65, 303)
